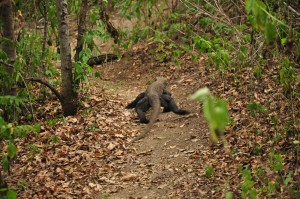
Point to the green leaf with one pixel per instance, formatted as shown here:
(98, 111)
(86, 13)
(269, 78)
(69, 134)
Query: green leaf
(5, 163)
(97, 74)
(258, 9)
(276, 162)
(215, 112)
(221, 114)
(55, 139)
(3, 55)
(288, 178)
(208, 111)
(260, 5)
(229, 195)
(2, 190)
(270, 32)
(209, 171)
(11, 150)
(253, 194)
(249, 5)
(243, 53)
(2, 122)
(283, 41)
(298, 50)
(11, 194)
(257, 72)
(201, 94)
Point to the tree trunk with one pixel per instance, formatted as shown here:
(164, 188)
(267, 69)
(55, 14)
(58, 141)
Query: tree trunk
(81, 28)
(43, 10)
(110, 5)
(8, 46)
(69, 96)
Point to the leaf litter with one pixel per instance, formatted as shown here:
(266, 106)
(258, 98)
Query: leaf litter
(93, 159)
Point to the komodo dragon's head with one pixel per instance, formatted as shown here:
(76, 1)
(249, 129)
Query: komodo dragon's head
(162, 80)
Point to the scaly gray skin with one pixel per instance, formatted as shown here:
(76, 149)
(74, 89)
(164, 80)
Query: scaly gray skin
(153, 92)
(166, 101)
(165, 98)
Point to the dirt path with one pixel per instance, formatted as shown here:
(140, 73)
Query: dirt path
(166, 163)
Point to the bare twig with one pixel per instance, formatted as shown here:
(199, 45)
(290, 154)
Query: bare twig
(291, 9)
(44, 13)
(29, 96)
(224, 18)
(6, 64)
(109, 26)
(57, 94)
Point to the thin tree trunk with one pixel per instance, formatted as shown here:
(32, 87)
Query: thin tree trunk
(7, 81)
(69, 96)
(81, 28)
(8, 46)
(110, 5)
(44, 12)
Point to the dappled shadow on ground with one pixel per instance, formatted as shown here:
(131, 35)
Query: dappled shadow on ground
(93, 157)
(169, 161)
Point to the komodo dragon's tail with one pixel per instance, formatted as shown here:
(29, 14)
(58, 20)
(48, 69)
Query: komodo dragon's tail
(155, 103)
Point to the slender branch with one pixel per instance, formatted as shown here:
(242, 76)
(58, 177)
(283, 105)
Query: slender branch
(40, 8)
(271, 16)
(291, 8)
(44, 13)
(57, 94)
(109, 26)
(29, 96)
(6, 64)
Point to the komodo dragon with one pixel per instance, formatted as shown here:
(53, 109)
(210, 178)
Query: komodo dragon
(155, 96)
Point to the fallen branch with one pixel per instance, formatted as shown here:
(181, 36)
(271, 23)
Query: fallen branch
(102, 59)
(57, 94)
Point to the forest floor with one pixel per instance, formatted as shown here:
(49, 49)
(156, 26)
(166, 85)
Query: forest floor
(166, 163)
(89, 155)
(93, 157)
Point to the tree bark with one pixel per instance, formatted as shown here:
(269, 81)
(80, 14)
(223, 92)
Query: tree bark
(81, 28)
(45, 83)
(70, 98)
(43, 10)
(8, 46)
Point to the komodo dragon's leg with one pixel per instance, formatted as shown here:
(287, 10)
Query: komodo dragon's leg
(142, 106)
(171, 105)
(135, 102)
(142, 95)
